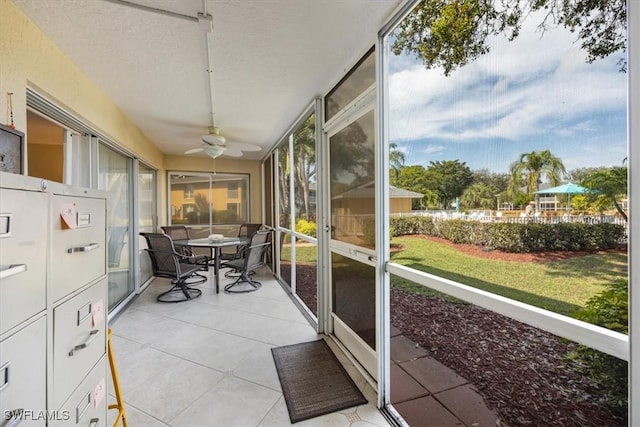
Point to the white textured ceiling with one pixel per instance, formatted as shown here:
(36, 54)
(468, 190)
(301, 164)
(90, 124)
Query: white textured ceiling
(270, 59)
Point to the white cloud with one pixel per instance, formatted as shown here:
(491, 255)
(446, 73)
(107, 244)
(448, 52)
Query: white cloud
(433, 149)
(531, 87)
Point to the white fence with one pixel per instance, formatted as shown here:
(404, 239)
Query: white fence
(549, 217)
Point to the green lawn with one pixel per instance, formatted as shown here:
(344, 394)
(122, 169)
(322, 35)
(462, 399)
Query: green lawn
(304, 253)
(561, 286)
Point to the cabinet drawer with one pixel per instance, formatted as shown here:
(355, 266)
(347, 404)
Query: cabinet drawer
(87, 404)
(78, 254)
(79, 338)
(23, 361)
(23, 255)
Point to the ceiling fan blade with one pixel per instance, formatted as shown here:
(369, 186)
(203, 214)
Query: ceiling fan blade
(244, 146)
(193, 150)
(232, 151)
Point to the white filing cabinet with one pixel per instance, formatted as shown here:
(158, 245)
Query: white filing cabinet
(53, 303)
(23, 358)
(23, 255)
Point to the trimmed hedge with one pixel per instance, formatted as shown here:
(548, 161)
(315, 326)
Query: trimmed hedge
(514, 237)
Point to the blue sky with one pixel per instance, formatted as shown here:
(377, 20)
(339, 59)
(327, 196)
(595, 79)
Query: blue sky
(532, 94)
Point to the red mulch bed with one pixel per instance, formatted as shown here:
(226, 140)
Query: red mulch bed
(306, 280)
(522, 372)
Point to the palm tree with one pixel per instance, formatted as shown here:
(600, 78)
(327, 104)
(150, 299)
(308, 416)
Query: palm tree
(396, 159)
(532, 167)
(304, 147)
(611, 184)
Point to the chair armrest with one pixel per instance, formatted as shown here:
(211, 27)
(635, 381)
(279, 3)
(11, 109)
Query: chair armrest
(181, 257)
(174, 253)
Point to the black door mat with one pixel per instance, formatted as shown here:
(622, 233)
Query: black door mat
(313, 381)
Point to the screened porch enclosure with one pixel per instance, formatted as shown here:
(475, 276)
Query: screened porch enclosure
(382, 179)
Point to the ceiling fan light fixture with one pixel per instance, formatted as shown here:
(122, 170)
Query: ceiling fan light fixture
(214, 151)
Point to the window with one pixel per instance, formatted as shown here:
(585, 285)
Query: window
(188, 192)
(361, 77)
(233, 207)
(294, 179)
(147, 211)
(114, 176)
(232, 190)
(204, 200)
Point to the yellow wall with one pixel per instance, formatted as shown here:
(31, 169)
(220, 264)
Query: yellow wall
(31, 60)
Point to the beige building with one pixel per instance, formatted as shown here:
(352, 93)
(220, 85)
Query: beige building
(352, 208)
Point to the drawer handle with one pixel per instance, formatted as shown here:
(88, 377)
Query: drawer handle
(82, 407)
(15, 418)
(4, 371)
(95, 422)
(84, 248)
(5, 225)
(92, 335)
(13, 270)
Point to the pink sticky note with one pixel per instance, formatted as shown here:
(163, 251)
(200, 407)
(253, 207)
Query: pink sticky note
(69, 214)
(97, 312)
(99, 393)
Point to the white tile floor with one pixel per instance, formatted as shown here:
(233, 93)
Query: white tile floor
(208, 362)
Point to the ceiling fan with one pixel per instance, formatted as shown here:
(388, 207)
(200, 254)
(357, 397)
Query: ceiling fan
(213, 143)
(216, 145)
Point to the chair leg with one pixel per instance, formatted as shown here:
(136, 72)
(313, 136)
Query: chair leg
(244, 278)
(234, 274)
(196, 279)
(179, 292)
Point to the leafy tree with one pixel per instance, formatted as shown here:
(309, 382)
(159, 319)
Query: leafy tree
(452, 33)
(479, 195)
(531, 167)
(448, 179)
(609, 183)
(351, 157)
(520, 199)
(579, 174)
(498, 184)
(499, 181)
(580, 204)
(429, 201)
(414, 178)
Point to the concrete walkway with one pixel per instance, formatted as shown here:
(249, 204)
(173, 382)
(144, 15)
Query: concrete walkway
(427, 393)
